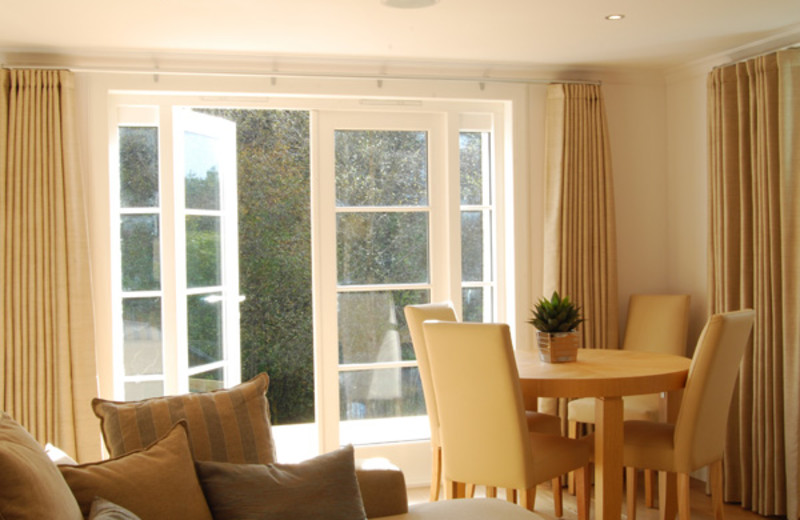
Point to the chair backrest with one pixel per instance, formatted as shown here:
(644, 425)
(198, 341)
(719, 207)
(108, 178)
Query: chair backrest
(415, 316)
(485, 438)
(703, 416)
(657, 323)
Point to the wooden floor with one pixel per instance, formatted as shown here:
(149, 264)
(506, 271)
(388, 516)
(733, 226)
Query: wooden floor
(701, 504)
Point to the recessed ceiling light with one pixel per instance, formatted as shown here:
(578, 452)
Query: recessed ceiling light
(409, 4)
(615, 17)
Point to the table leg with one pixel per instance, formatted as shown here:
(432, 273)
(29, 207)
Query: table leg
(608, 458)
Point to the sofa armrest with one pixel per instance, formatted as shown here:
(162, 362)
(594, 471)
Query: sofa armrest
(383, 488)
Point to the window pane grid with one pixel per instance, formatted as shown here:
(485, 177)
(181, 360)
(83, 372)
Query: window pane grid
(477, 227)
(140, 233)
(355, 367)
(382, 209)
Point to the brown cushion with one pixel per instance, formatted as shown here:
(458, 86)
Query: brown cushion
(157, 483)
(31, 486)
(323, 488)
(229, 425)
(103, 509)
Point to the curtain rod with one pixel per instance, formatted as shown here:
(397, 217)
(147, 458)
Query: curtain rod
(758, 55)
(157, 71)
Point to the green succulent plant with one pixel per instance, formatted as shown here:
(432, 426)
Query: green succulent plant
(556, 314)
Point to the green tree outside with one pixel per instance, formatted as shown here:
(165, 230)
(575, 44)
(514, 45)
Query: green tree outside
(275, 256)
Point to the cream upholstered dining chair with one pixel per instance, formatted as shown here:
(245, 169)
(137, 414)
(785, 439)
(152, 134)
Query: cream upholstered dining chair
(656, 323)
(444, 311)
(697, 439)
(484, 434)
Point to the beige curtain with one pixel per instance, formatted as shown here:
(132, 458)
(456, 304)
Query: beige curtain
(753, 255)
(47, 364)
(789, 122)
(580, 228)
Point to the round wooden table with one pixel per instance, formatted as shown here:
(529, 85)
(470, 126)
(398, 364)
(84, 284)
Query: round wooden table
(606, 375)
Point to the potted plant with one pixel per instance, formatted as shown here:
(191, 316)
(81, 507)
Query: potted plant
(556, 320)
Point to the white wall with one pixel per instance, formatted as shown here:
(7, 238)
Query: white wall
(687, 191)
(636, 111)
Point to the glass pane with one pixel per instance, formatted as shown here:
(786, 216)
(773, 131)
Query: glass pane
(141, 322)
(202, 171)
(207, 381)
(203, 255)
(474, 301)
(205, 328)
(380, 393)
(143, 390)
(372, 326)
(273, 168)
(141, 266)
(471, 159)
(138, 167)
(472, 246)
(381, 168)
(375, 248)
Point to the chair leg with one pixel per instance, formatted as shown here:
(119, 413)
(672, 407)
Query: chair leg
(630, 493)
(572, 433)
(558, 501)
(649, 488)
(582, 490)
(527, 498)
(667, 495)
(469, 492)
(450, 490)
(715, 478)
(511, 495)
(684, 509)
(491, 492)
(436, 472)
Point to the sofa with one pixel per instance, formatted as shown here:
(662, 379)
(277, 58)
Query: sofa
(207, 457)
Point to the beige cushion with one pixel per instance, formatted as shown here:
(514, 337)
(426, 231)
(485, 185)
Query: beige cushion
(474, 509)
(30, 485)
(553, 452)
(157, 483)
(636, 408)
(649, 445)
(229, 425)
(657, 323)
(103, 509)
(323, 488)
(543, 422)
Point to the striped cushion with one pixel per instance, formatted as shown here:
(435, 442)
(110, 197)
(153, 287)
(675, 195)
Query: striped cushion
(230, 425)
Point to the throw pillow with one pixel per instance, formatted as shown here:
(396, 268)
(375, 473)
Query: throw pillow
(30, 485)
(323, 488)
(103, 509)
(157, 483)
(230, 425)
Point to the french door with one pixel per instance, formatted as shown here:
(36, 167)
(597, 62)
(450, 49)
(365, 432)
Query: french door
(382, 187)
(178, 255)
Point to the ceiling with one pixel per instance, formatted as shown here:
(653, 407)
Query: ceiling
(564, 33)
